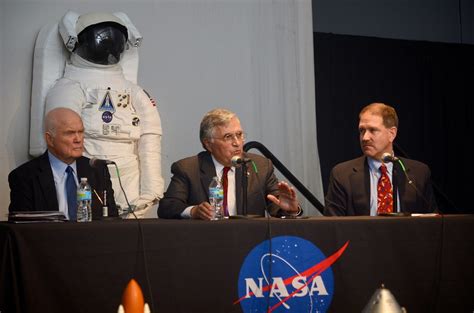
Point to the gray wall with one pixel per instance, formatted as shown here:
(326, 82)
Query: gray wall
(254, 57)
(429, 20)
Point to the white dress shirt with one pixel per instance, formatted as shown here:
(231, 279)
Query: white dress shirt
(59, 174)
(231, 205)
(374, 171)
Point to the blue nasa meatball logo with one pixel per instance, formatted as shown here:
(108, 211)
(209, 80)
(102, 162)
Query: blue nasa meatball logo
(107, 117)
(295, 277)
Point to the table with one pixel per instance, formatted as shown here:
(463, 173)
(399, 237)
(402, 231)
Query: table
(193, 266)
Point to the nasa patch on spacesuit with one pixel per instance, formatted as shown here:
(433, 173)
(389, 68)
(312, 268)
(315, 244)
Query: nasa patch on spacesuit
(110, 113)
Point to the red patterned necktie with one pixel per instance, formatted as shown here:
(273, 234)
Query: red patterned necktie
(384, 192)
(225, 183)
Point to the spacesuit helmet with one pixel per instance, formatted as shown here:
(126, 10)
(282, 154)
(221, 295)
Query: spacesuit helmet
(101, 38)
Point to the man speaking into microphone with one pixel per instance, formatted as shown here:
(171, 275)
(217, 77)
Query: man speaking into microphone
(379, 183)
(222, 138)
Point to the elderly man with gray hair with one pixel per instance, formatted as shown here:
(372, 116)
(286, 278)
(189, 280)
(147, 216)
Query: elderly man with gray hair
(42, 183)
(222, 137)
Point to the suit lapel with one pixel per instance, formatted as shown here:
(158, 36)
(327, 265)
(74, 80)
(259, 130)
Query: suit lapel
(238, 190)
(84, 170)
(360, 183)
(207, 171)
(46, 181)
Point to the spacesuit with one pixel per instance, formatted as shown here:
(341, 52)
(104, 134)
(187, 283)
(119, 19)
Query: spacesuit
(121, 121)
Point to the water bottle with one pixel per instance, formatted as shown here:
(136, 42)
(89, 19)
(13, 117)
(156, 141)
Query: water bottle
(216, 197)
(84, 200)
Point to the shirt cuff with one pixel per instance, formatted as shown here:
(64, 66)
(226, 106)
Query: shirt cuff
(187, 212)
(300, 211)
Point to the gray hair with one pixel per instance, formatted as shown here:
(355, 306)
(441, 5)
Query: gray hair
(212, 119)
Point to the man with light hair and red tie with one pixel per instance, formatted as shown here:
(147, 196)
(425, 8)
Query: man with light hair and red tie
(379, 183)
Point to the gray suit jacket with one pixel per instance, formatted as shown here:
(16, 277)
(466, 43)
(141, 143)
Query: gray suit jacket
(192, 176)
(349, 188)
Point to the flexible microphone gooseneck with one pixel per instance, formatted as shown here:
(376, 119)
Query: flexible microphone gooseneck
(100, 163)
(96, 163)
(387, 157)
(436, 188)
(410, 182)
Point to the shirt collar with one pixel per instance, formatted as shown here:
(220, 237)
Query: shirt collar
(374, 165)
(59, 166)
(219, 167)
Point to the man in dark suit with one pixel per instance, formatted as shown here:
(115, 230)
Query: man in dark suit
(222, 137)
(359, 186)
(40, 184)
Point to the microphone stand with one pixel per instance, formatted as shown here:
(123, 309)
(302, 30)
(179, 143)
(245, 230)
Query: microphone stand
(244, 185)
(105, 209)
(244, 189)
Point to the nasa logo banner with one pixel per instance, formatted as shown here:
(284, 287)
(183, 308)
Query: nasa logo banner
(295, 277)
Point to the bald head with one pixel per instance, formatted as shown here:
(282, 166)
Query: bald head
(64, 134)
(58, 116)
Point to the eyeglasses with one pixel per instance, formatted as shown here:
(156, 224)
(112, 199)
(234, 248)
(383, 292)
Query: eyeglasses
(228, 138)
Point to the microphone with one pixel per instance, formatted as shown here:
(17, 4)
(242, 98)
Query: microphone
(95, 162)
(237, 160)
(387, 157)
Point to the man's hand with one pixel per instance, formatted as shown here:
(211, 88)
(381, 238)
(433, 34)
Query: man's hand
(202, 211)
(286, 199)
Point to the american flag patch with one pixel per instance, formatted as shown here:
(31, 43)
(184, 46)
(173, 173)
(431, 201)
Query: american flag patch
(151, 99)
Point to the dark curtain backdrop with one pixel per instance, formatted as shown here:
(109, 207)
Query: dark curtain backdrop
(429, 84)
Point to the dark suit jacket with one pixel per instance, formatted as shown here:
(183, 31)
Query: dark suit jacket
(349, 188)
(192, 176)
(32, 186)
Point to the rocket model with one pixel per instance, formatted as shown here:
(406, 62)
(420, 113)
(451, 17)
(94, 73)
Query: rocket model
(132, 299)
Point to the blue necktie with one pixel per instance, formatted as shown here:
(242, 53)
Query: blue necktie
(71, 190)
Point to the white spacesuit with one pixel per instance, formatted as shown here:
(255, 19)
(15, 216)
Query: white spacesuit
(121, 121)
